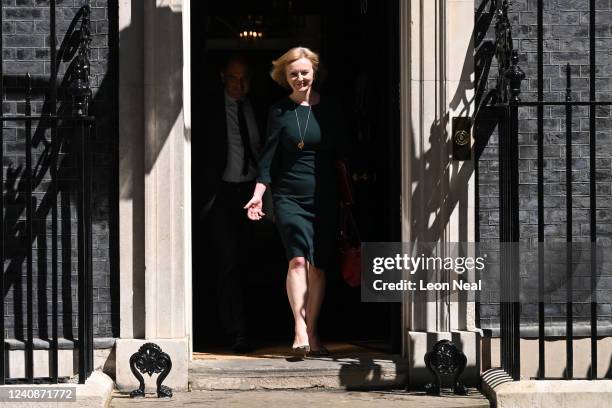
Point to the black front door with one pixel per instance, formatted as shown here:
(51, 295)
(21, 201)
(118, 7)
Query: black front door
(361, 50)
(358, 44)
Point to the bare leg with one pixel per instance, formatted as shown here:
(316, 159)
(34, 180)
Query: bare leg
(316, 292)
(297, 293)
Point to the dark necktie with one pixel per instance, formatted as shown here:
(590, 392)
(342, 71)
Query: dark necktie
(244, 136)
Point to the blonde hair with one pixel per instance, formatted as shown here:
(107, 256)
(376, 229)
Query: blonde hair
(279, 66)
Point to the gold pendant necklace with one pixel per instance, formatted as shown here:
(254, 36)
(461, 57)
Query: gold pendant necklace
(300, 145)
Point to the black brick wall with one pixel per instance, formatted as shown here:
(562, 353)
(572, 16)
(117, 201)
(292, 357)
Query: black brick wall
(26, 30)
(566, 29)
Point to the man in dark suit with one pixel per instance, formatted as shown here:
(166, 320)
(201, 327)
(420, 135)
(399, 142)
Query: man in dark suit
(233, 141)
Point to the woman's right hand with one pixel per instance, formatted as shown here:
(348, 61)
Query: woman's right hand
(255, 208)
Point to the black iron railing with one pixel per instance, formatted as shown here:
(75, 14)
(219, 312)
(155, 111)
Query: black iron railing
(508, 102)
(78, 124)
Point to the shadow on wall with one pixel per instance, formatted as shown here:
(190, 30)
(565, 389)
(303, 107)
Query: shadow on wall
(54, 212)
(444, 187)
(161, 56)
(164, 61)
(167, 94)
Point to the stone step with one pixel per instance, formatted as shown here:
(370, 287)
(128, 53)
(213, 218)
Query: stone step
(348, 368)
(272, 378)
(271, 373)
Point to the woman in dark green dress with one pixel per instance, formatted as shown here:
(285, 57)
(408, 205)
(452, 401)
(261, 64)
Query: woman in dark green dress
(304, 138)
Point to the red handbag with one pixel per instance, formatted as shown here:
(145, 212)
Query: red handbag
(350, 248)
(350, 243)
(344, 183)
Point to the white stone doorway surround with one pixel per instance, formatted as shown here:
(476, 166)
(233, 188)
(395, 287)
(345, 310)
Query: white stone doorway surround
(154, 174)
(437, 84)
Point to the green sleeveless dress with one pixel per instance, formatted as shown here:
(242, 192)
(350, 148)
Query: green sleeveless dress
(304, 181)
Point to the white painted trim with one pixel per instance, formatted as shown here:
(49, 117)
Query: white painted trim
(187, 179)
(435, 40)
(131, 170)
(166, 206)
(405, 145)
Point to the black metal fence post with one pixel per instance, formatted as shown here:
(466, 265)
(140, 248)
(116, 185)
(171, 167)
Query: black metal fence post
(540, 182)
(569, 335)
(29, 347)
(81, 94)
(592, 191)
(509, 220)
(85, 342)
(53, 346)
(2, 206)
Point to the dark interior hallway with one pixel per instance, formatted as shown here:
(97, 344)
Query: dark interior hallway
(364, 76)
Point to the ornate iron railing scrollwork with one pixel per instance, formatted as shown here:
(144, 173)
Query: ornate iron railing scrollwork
(150, 359)
(509, 74)
(514, 76)
(80, 89)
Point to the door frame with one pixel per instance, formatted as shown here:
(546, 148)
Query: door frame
(402, 9)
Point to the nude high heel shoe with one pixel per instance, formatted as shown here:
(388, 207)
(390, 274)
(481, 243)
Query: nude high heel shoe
(301, 351)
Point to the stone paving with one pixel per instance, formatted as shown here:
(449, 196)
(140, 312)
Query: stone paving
(305, 399)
